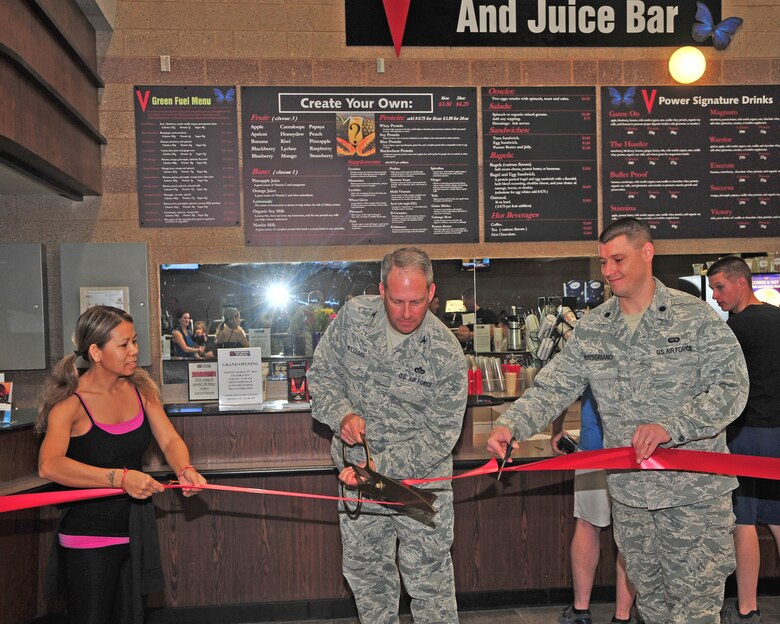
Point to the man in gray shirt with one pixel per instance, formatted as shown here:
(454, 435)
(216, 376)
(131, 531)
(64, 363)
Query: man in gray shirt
(665, 370)
(388, 370)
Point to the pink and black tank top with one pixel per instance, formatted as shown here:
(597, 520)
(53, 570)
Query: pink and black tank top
(105, 446)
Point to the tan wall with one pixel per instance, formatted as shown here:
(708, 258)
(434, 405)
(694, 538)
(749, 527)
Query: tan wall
(301, 42)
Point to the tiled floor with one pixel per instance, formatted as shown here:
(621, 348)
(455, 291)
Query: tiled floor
(602, 613)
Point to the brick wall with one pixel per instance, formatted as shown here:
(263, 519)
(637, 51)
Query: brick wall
(301, 42)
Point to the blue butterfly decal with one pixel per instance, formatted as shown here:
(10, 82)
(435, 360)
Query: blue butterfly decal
(224, 97)
(721, 32)
(627, 98)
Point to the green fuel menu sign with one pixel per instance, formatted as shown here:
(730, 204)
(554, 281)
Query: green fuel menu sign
(186, 141)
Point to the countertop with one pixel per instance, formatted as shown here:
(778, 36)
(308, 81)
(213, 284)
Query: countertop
(20, 418)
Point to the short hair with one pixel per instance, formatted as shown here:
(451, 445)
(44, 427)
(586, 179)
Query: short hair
(733, 267)
(230, 313)
(634, 230)
(408, 257)
(468, 293)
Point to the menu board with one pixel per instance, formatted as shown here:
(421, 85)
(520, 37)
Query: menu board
(539, 153)
(187, 156)
(693, 162)
(359, 165)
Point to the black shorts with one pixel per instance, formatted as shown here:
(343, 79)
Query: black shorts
(756, 501)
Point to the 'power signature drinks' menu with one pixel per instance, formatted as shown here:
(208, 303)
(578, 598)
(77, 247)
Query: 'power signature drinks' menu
(694, 162)
(539, 153)
(359, 166)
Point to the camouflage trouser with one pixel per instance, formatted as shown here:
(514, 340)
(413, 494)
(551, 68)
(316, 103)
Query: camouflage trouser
(678, 558)
(423, 556)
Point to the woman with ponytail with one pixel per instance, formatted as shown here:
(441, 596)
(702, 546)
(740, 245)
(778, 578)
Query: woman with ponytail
(98, 414)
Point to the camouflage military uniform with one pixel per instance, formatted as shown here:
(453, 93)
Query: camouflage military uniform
(683, 369)
(413, 401)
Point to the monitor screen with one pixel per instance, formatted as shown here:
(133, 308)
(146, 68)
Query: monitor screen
(767, 287)
(475, 264)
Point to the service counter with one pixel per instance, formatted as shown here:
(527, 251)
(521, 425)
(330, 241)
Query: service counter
(511, 537)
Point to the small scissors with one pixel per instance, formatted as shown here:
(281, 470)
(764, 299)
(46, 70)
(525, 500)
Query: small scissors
(506, 457)
(375, 486)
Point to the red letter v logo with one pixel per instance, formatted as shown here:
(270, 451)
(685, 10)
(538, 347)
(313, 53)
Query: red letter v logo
(649, 99)
(143, 99)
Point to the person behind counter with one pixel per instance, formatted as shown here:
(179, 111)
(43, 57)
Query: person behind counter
(757, 431)
(482, 316)
(303, 322)
(230, 333)
(388, 370)
(96, 427)
(665, 370)
(182, 342)
(200, 336)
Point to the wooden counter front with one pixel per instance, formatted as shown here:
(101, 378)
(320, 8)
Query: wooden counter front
(227, 548)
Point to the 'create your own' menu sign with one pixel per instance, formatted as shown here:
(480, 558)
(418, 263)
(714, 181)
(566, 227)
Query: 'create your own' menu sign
(341, 165)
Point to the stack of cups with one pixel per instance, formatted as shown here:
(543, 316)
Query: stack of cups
(547, 326)
(474, 381)
(545, 349)
(511, 374)
(532, 332)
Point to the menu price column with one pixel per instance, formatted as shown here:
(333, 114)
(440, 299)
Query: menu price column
(539, 152)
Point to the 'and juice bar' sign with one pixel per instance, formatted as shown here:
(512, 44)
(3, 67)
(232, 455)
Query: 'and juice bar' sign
(612, 23)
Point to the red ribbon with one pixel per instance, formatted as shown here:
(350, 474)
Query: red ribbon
(606, 459)
(625, 459)
(17, 502)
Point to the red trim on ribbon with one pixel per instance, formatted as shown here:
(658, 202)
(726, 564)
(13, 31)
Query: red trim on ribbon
(606, 459)
(625, 459)
(28, 501)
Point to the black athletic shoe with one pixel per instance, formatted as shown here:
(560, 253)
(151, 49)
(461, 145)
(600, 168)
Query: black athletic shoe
(568, 616)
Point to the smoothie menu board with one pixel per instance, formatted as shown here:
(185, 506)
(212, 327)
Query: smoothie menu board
(359, 165)
(540, 171)
(694, 162)
(187, 156)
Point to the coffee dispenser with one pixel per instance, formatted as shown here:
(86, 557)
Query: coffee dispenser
(515, 325)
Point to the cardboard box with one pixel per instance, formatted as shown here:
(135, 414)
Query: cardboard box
(482, 423)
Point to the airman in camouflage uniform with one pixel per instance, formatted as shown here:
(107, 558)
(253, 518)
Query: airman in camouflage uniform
(677, 379)
(388, 369)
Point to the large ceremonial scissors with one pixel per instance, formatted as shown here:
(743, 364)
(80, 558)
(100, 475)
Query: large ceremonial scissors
(507, 455)
(375, 486)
